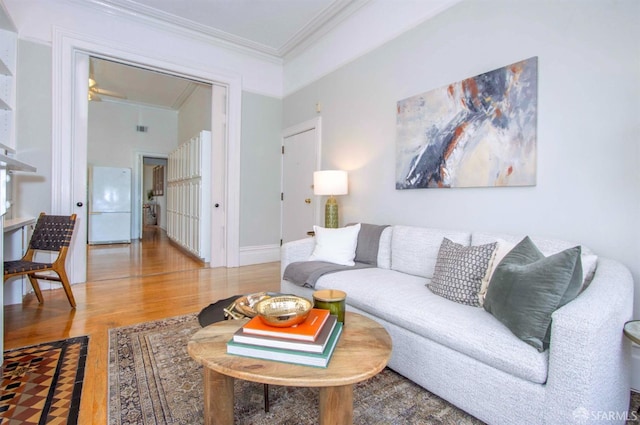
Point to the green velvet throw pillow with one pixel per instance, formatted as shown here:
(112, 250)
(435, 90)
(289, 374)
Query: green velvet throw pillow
(527, 287)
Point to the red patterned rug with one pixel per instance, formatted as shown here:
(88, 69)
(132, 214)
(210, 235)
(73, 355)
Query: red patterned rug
(41, 384)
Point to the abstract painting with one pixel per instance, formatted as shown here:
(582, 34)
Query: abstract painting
(478, 132)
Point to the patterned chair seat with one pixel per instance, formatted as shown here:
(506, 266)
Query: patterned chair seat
(20, 266)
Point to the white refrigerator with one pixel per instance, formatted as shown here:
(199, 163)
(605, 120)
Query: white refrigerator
(109, 205)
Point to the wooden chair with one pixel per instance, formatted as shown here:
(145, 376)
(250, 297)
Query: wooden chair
(52, 233)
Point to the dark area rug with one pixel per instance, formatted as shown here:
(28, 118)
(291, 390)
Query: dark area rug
(41, 384)
(152, 380)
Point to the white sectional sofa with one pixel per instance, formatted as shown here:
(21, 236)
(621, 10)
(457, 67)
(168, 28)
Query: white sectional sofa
(465, 355)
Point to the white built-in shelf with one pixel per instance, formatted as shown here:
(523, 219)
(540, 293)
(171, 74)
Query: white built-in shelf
(189, 195)
(4, 105)
(7, 149)
(4, 69)
(11, 224)
(11, 163)
(8, 48)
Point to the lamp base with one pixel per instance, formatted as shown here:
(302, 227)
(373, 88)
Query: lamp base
(331, 213)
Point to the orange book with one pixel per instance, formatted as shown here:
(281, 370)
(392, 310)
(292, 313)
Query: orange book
(305, 331)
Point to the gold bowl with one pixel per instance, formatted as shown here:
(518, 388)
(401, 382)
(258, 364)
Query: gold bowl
(246, 304)
(283, 311)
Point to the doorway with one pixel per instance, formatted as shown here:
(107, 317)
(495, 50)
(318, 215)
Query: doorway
(131, 112)
(70, 92)
(154, 200)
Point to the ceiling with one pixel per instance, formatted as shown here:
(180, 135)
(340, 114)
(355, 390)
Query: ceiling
(116, 82)
(274, 27)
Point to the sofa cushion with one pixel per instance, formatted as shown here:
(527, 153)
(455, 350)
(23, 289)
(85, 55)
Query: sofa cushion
(403, 300)
(384, 250)
(527, 287)
(414, 250)
(460, 270)
(336, 245)
(548, 247)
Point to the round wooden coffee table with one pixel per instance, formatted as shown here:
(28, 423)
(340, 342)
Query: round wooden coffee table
(363, 350)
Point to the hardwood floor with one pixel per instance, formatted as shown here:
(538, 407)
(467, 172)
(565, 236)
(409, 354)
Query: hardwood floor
(148, 280)
(154, 255)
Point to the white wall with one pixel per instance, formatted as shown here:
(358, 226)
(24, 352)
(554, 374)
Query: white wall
(260, 180)
(113, 140)
(588, 185)
(31, 191)
(33, 129)
(195, 114)
(112, 137)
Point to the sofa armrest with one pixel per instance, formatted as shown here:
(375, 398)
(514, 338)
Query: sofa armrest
(589, 357)
(293, 251)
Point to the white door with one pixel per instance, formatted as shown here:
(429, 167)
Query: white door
(219, 204)
(300, 159)
(77, 263)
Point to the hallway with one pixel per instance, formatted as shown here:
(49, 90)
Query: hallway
(153, 254)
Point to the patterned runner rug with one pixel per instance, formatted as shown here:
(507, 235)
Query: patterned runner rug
(41, 384)
(152, 380)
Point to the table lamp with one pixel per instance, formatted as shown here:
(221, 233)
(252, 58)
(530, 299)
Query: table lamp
(330, 182)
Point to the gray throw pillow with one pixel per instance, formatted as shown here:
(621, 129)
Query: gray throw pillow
(368, 243)
(527, 287)
(459, 271)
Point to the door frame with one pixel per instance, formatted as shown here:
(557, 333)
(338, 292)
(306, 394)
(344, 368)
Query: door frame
(312, 124)
(69, 137)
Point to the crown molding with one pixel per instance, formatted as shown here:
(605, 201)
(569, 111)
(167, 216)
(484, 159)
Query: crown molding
(180, 26)
(321, 24)
(6, 22)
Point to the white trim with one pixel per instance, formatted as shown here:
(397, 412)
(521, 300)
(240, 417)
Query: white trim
(323, 22)
(312, 124)
(302, 127)
(65, 45)
(319, 26)
(165, 22)
(259, 254)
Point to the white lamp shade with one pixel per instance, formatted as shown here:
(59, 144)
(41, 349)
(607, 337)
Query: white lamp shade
(330, 182)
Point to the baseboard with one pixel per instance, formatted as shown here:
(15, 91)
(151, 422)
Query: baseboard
(259, 254)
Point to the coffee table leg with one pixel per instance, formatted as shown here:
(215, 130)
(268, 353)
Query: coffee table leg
(218, 398)
(336, 405)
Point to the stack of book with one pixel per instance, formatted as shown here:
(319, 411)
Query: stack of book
(310, 343)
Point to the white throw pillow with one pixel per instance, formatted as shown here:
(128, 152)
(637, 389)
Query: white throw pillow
(501, 251)
(336, 246)
(589, 263)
